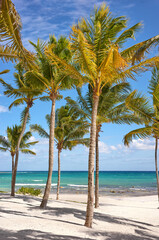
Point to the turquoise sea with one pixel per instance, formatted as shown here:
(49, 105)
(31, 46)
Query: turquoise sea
(78, 180)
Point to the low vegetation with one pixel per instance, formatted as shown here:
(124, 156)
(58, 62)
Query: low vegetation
(30, 191)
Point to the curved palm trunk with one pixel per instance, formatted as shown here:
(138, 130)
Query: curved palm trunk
(97, 173)
(51, 153)
(90, 199)
(58, 182)
(156, 146)
(14, 172)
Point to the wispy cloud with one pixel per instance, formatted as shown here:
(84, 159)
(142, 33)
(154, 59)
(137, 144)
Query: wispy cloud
(3, 109)
(136, 145)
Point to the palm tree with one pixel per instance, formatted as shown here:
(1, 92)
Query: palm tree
(69, 132)
(9, 143)
(52, 79)
(24, 94)
(142, 108)
(98, 51)
(10, 34)
(111, 109)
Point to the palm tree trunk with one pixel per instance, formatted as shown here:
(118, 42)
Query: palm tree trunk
(90, 199)
(51, 153)
(156, 145)
(58, 183)
(12, 163)
(14, 173)
(97, 173)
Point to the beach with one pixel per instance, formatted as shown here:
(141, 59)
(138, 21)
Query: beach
(118, 218)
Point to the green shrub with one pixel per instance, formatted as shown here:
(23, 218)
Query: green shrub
(31, 191)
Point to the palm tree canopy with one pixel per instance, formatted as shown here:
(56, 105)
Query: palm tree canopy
(10, 35)
(111, 107)
(98, 50)
(25, 92)
(142, 108)
(69, 129)
(49, 76)
(9, 143)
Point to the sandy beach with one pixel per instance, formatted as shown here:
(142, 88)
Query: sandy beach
(118, 218)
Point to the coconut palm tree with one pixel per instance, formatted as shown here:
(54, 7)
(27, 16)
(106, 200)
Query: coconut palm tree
(98, 51)
(143, 108)
(12, 48)
(111, 109)
(69, 132)
(24, 94)
(52, 79)
(9, 143)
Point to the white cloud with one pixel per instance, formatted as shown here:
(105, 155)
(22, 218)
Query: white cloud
(136, 145)
(104, 148)
(32, 139)
(3, 109)
(142, 144)
(44, 141)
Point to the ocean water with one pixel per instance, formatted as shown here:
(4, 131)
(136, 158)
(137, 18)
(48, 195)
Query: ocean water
(78, 180)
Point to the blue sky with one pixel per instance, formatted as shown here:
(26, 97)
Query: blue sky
(40, 19)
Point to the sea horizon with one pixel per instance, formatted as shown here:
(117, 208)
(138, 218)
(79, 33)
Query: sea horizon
(78, 180)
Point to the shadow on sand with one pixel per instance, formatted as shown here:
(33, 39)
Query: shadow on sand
(142, 230)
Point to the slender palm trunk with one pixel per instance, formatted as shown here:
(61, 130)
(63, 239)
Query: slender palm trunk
(90, 199)
(51, 153)
(14, 172)
(12, 163)
(58, 182)
(12, 168)
(97, 173)
(156, 146)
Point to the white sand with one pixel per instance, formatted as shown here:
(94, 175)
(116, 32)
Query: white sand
(118, 218)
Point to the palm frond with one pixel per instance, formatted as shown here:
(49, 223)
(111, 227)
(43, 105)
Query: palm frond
(10, 27)
(140, 106)
(41, 131)
(8, 54)
(138, 133)
(4, 71)
(3, 149)
(27, 151)
(17, 102)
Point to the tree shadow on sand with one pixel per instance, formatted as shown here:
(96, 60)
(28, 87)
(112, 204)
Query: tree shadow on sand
(97, 216)
(29, 234)
(33, 234)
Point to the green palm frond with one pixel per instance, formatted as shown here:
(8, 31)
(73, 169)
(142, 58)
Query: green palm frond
(13, 134)
(37, 128)
(8, 54)
(23, 114)
(3, 149)
(128, 33)
(10, 27)
(45, 98)
(140, 105)
(27, 145)
(4, 71)
(17, 102)
(138, 133)
(7, 86)
(75, 107)
(27, 151)
(70, 144)
(136, 52)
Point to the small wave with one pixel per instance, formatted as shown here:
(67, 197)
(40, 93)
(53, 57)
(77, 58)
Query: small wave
(74, 185)
(37, 180)
(137, 189)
